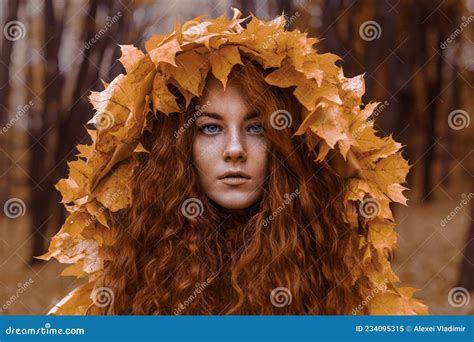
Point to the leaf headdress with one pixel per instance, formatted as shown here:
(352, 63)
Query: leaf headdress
(335, 120)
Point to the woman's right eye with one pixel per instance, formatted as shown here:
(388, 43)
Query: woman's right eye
(209, 128)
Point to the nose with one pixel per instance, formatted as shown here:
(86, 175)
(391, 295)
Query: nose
(234, 149)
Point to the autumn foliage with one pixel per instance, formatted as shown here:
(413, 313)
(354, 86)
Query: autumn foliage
(336, 122)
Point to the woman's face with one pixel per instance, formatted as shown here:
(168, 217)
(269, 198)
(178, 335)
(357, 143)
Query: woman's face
(229, 148)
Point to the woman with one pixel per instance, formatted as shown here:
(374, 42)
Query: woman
(237, 170)
(209, 193)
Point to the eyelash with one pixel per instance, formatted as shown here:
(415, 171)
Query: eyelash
(203, 127)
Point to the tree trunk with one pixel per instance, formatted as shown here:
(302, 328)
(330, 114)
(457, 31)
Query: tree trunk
(466, 273)
(434, 92)
(5, 89)
(40, 166)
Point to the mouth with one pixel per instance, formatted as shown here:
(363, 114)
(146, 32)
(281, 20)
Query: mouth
(234, 178)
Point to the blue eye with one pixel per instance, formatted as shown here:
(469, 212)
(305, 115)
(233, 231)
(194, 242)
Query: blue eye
(209, 128)
(256, 129)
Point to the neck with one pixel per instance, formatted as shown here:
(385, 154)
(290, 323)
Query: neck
(237, 215)
(234, 219)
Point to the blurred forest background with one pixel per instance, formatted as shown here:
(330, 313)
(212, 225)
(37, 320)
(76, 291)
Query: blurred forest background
(417, 57)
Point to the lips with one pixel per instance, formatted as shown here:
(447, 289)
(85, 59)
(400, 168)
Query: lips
(234, 177)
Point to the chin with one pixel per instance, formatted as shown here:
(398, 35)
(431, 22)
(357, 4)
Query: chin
(235, 201)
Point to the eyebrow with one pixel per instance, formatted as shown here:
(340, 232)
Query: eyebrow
(217, 116)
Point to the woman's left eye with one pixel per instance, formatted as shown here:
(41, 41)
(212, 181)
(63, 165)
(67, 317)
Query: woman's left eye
(256, 129)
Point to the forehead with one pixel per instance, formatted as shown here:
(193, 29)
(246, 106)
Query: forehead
(230, 101)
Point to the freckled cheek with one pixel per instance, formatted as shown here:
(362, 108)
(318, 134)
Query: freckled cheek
(260, 161)
(206, 156)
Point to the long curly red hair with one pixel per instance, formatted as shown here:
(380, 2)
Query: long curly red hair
(164, 263)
